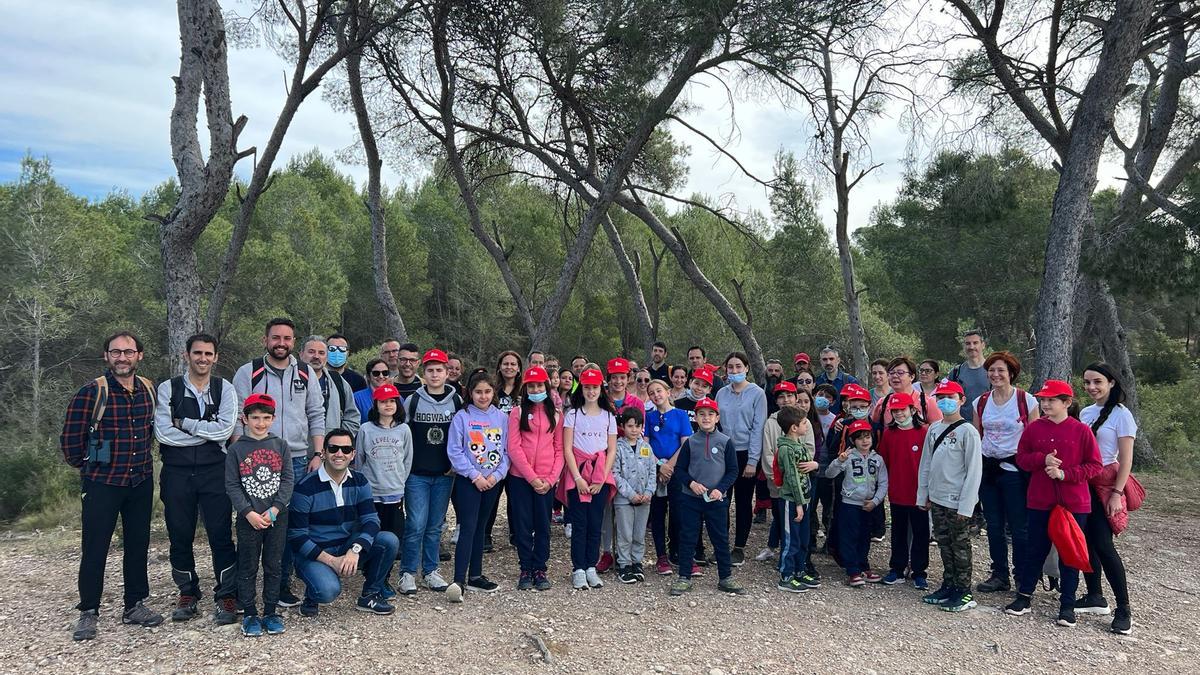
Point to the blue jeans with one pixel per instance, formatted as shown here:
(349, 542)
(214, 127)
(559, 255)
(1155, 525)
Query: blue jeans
(793, 554)
(1039, 548)
(323, 585)
(1002, 494)
(299, 469)
(426, 498)
(854, 537)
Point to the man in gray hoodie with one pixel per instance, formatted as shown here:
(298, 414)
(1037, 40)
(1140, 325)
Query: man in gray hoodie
(299, 411)
(340, 411)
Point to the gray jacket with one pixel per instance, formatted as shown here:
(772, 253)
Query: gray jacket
(866, 477)
(299, 405)
(340, 410)
(634, 470)
(950, 476)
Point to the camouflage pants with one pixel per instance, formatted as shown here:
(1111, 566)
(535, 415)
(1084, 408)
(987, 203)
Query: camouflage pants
(953, 537)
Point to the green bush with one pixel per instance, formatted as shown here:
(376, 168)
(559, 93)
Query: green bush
(1160, 359)
(1170, 422)
(34, 479)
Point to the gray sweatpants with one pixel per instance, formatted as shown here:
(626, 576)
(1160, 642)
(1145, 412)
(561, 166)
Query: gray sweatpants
(631, 532)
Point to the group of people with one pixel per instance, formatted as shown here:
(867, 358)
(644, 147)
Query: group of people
(323, 473)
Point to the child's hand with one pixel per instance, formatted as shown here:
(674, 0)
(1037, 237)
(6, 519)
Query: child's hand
(480, 483)
(491, 481)
(799, 512)
(809, 467)
(665, 471)
(869, 507)
(1055, 473)
(697, 488)
(844, 455)
(838, 425)
(1053, 460)
(257, 521)
(715, 495)
(926, 505)
(594, 488)
(581, 485)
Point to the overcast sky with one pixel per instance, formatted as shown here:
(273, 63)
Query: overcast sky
(87, 83)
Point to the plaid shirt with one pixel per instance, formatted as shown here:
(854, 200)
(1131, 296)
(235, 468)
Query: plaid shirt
(128, 422)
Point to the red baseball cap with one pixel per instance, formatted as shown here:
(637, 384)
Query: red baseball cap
(801, 358)
(703, 374)
(785, 386)
(385, 392)
(618, 366)
(1054, 389)
(535, 374)
(900, 401)
(591, 378)
(434, 356)
(258, 399)
(852, 392)
(949, 387)
(857, 426)
(707, 403)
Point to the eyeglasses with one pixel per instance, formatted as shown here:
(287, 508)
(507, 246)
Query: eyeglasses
(926, 371)
(641, 381)
(127, 353)
(897, 372)
(408, 360)
(379, 373)
(343, 449)
(338, 349)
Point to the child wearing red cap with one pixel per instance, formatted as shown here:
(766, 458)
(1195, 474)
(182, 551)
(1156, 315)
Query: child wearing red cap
(385, 447)
(535, 451)
(900, 444)
(863, 489)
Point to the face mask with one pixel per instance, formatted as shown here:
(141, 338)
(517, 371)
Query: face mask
(948, 406)
(337, 359)
(906, 424)
(859, 413)
(736, 378)
(536, 398)
(821, 402)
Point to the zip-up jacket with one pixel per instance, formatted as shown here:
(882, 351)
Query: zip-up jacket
(866, 477)
(204, 424)
(635, 470)
(299, 405)
(797, 485)
(537, 453)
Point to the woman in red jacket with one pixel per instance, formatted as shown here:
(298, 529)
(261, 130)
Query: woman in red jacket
(1061, 455)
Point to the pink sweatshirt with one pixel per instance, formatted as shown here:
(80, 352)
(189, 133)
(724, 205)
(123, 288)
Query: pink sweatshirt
(537, 453)
(591, 468)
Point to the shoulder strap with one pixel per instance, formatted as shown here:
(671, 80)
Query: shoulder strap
(1022, 406)
(953, 376)
(149, 385)
(983, 399)
(215, 390)
(101, 402)
(257, 371)
(177, 394)
(412, 407)
(945, 432)
(924, 407)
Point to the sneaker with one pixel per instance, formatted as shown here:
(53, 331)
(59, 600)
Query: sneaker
(920, 583)
(454, 593)
(809, 580)
(760, 518)
(287, 598)
(435, 582)
(940, 596)
(557, 517)
(765, 555)
(791, 585)
(856, 580)
(1092, 604)
(728, 585)
(812, 571)
(993, 584)
(593, 578)
(606, 563)
(567, 530)
(540, 582)
(1066, 617)
(703, 560)
(878, 539)
(142, 616)
(680, 586)
(85, 626)
(252, 627)
(525, 583)
(738, 557)
(784, 583)
(186, 607)
(892, 578)
(1122, 622)
(388, 591)
(1018, 607)
(482, 584)
(408, 584)
(375, 605)
(871, 577)
(697, 570)
(309, 608)
(798, 586)
(273, 624)
(625, 575)
(663, 566)
(638, 573)
(225, 612)
(579, 580)
(961, 601)
(488, 545)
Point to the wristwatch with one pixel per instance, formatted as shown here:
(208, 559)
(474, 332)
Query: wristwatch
(356, 548)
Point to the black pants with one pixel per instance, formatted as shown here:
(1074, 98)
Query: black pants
(101, 506)
(823, 498)
(696, 514)
(471, 508)
(531, 524)
(188, 492)
(743, 504)
(910, 539)
(255, 545)
(586, 520)
(1103, 555)
(674, 491)
(491, 516)
(391, 518)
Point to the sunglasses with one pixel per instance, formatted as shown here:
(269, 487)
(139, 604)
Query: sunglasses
(641, 381)
(343, 449)
(332, 348)
(805, 381)
(379, 373)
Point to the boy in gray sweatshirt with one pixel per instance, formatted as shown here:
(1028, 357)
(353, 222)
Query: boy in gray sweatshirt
(635, 473)
(948, 487)
(863, 489)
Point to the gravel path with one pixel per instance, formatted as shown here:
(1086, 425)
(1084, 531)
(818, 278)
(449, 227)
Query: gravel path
(635, 628)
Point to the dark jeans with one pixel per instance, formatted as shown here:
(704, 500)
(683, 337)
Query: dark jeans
(188, 492)
(1039, 548)
(501, 485)
(255, 545)
(391, 518)
(1103, 555)
(299, 468)
(854, 537)
(531, 524)
(101, 505)
(659, 506)
(694, 512)
(471, 507)
(586, 519)
(743, 503)
(910, 540)
(823, 498)
(322, 584)
(1002, 494)
(674, 491)
(775, 535)
(793, 555)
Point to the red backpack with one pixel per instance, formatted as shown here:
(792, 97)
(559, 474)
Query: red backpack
(1022, 407)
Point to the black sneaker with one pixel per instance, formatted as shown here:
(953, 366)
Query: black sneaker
(637, 571)
(760, 518)
(375, 604)
(1122, 622)
(226, 612)
(443, 553)
(525, 583)
(728, 585)
(1066, 617)
(85, 627)
(482, 584)
(540, 582)
(287, 598)
(488, 546)
(309, 608)
(1019, 606)
(737, 557)
(186, 608)
(625, 575)
(993, 585)
(701, 560)
(141, 615)
(1092, 604)
(940, 596)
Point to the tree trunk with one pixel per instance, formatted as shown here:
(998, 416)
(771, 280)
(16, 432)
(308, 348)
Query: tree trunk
(181, 284)
(35, 368)
(858, 340)
(645, 327)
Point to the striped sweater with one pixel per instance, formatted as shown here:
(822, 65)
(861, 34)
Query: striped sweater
(316, 523)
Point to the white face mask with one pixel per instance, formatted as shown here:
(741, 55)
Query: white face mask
(905, 424)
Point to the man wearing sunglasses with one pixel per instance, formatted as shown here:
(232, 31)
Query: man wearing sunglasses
(339, 353)
(340, 410)
(333, 531)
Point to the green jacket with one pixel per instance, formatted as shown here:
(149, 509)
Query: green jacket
(797, 486)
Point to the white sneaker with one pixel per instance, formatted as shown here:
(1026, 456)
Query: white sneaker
(765, 555)
(454, 537)
(579, 580)
(593, 579)
(567, 530)
(408, 585)
(454, 593)
(435, 582)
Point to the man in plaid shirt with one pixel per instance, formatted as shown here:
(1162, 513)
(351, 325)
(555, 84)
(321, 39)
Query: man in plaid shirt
(117, 481)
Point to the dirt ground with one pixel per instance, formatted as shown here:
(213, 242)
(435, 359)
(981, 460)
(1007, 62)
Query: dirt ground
(635, 628)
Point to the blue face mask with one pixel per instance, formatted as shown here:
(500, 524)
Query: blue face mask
(821, 402)
(337, 359)
(735, 378)
(948, 406)
(859, 413)
(536, 398)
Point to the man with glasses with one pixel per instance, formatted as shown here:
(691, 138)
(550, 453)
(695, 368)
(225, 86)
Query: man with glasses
(107, 436)
(334, 532)
(832, 373)
(340, 409)
(403, 360)
(970, 373)
(339, 352)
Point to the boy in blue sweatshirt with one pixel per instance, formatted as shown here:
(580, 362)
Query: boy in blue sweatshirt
(863, 490)
(706, 470)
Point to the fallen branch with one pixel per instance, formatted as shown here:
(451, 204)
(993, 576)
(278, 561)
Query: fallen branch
(1177, 590)
(547, 657)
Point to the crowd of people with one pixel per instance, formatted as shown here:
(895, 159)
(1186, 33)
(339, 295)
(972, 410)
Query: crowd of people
(322, 473)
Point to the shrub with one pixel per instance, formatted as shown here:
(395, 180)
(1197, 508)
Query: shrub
(1160, 359)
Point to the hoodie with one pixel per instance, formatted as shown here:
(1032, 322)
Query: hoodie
(797, 485)
(537, 453)
(771, 435)
(901, 452)
(742, 418)
(428, 418)
(384, 456)
(949, 476)
(635, 470)
(866, 477)
(478, 443)
(299, 405)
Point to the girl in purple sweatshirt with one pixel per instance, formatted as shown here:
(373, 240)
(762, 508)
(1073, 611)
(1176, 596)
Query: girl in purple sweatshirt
(478, 451)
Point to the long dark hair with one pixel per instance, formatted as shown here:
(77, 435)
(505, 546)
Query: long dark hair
(813, 420)
(498, 384)
(1116, 395)
(480, 375)
(604, 403)
(527, 407)
(397, 419)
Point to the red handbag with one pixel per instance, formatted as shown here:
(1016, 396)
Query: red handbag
(1135, 494)
(1068, 539)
